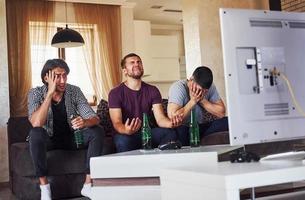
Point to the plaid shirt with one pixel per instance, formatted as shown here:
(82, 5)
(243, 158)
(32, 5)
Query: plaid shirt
(75, 102)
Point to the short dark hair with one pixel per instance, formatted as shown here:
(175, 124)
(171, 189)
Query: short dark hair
(123, 61)
(203, 76)
(52, 64)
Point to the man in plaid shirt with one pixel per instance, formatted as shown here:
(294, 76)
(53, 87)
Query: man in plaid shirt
(50, 108)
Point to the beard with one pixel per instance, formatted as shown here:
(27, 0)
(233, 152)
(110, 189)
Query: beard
(136, 76)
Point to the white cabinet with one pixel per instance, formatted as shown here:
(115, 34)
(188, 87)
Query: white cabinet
(165, 58)
(142, 34)
(159, 53)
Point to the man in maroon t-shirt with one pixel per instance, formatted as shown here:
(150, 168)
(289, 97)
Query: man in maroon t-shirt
(128, 102)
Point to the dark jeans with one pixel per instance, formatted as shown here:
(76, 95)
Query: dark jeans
(204, 129)
(40, 143)
(131, 142)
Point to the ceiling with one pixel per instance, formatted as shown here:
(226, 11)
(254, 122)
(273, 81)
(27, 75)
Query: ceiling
(165, 11)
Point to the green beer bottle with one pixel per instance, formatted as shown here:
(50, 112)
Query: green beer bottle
(146, 133)
(78, 135)
(194, 130)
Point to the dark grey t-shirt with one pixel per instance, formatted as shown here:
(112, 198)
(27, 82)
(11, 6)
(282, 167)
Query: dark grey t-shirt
(179, 94)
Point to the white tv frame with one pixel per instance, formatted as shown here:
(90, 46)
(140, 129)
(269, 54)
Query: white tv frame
(263, 39)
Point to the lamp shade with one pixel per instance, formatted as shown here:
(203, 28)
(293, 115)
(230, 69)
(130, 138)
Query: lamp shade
(66, 38)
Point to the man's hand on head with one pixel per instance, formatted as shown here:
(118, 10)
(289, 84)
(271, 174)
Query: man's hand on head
(50, 78)
(196, 92)
(132, 126)
(204, 99)
(205, 93)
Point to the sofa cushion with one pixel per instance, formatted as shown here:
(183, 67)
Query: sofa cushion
(103, 113)
(58, 164)
(216, 138)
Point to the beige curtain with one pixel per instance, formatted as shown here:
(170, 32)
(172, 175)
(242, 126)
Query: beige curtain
(102, 47)
(19, 15)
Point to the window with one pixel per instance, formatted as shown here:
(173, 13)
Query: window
(40, 52)
(78, 71)
(39, 55)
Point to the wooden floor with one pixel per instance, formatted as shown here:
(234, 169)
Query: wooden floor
(6, 194)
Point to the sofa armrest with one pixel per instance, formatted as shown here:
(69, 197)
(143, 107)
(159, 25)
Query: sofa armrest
(18, 129)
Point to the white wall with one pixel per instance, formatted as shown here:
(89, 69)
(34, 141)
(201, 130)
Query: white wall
(128, 39)
(177, 30)
(4, 95)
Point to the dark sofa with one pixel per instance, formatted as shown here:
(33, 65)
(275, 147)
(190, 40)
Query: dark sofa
(66, 168)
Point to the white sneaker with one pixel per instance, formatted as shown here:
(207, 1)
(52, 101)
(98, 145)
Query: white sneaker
(45, 192)
(86, 190)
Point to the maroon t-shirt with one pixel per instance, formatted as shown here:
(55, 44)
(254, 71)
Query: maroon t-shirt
(134, 103)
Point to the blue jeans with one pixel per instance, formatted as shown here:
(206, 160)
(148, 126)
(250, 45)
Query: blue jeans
(132, 142)
(204, 129)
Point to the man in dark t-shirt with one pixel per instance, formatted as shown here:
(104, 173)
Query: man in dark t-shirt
(128, 102)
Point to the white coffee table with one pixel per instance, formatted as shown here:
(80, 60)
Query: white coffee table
(135, 175)
(224, 181)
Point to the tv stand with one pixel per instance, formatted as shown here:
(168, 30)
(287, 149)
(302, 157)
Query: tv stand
(226, 179)
(285, 157)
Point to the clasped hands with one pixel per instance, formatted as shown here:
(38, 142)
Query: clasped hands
(196, 92)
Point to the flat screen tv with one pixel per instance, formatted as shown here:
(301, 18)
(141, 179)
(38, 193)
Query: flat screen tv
(261, 48)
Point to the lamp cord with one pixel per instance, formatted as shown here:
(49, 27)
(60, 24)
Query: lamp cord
(295, 102)
(66, 14)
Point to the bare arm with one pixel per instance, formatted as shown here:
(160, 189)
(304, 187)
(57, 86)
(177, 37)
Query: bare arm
(130, 127)
(174, 109)
(39, 117)
(216, 108)
(164, 121)
(195, 93)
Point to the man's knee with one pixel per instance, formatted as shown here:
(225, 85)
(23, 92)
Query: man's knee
(183, 134)
(125, 143)
(95, 133)
(217, 126)
(163, 135)
(37, 135)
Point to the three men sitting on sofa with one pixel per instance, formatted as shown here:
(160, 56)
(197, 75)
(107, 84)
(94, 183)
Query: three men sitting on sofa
(51, 105)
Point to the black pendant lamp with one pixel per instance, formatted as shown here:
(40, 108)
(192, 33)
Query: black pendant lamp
(67, 37)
